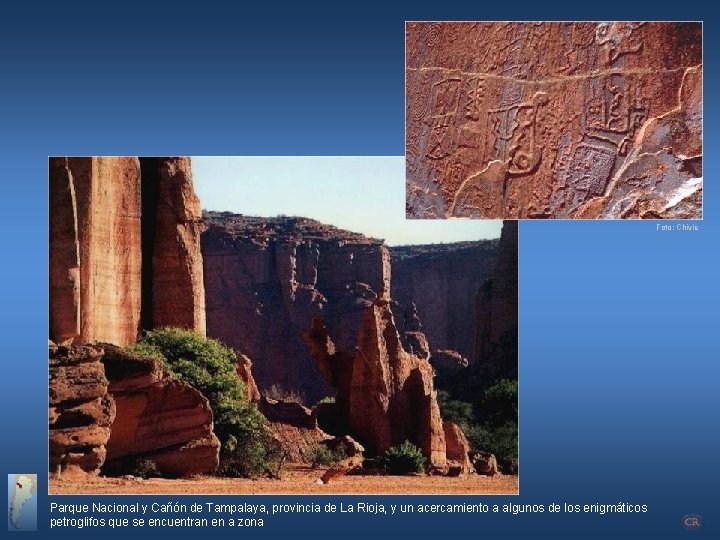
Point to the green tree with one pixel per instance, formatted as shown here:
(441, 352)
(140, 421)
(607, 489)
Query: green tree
(454, 410)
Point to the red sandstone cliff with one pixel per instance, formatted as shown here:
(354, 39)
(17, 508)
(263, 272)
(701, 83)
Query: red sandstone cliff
(178, 291)
(266, 278)
(95, 257)
(166, 421)
(124, 255)
(441, 282)
(497, 312)
(385, 394)
(112, 220)
(80, 410)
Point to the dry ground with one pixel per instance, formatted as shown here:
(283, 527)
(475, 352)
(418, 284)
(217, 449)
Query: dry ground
(296, 480)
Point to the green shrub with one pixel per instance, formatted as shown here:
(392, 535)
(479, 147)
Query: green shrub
(144, 349)
(250, 453)
(403, 459)
(319, 455)
(146, 468)
(248, 448)
(504, 390)
(500, 402)
(501, 441)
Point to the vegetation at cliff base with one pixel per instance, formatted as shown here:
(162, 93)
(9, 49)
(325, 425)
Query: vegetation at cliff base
(403, 459)
(490, 422)
(248, 448)
(319, 455)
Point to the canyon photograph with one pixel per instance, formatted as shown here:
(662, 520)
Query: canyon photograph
(553, 120)
(274, 325)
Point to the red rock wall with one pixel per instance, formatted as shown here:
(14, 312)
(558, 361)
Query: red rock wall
(96, 249)
(64, 256)
(178, 291)
(168, 422)
(391, 392)
(442, 282)
(385, 395)
(80, 409)
(497, 311)
(265, 279)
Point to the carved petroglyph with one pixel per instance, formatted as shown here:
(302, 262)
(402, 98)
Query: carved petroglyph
(443, 133)
(474, 98)
(589, 172)
(434, 34)
(618, 39)
(616, 111)
(517, 120)
(524, 151)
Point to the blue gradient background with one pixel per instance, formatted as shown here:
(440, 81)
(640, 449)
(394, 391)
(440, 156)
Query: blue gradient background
(619, 325)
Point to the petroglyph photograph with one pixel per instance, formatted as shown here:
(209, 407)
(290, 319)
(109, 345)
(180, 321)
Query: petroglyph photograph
(216, 326)
(553, 120)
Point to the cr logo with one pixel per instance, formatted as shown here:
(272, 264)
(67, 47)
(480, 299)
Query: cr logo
(692, 522)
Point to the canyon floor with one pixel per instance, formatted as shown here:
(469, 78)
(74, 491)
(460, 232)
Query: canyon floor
(296, 480)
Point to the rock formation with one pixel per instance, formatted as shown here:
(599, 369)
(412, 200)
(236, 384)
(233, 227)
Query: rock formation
(437, 284)
(341, 468)
(266, 278)
(554, 120)
(80, 412)
(457, 447)
(165, 421)
(124, 255)
(294, 426)
(384, 394)
(95, 259)
(244, 371)
(497, 313)
(172, 244)
(112, 219)
(485, 463)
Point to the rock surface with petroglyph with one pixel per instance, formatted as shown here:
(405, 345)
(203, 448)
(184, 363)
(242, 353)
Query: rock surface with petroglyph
(554, 120)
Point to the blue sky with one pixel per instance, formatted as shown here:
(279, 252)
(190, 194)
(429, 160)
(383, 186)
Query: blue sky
(361, 194)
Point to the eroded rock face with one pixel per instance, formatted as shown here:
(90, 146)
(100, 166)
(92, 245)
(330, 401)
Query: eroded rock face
(384, 393)
(178, 291)
(457, 446)
(554, 120)
(294, 426)
(124, 255)
(434, 289)
(485, 463)
(265, 280)
(168, 422)
(244, 371)
(95, 258)
(81, 411)
(112, 220)
(497, 313)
